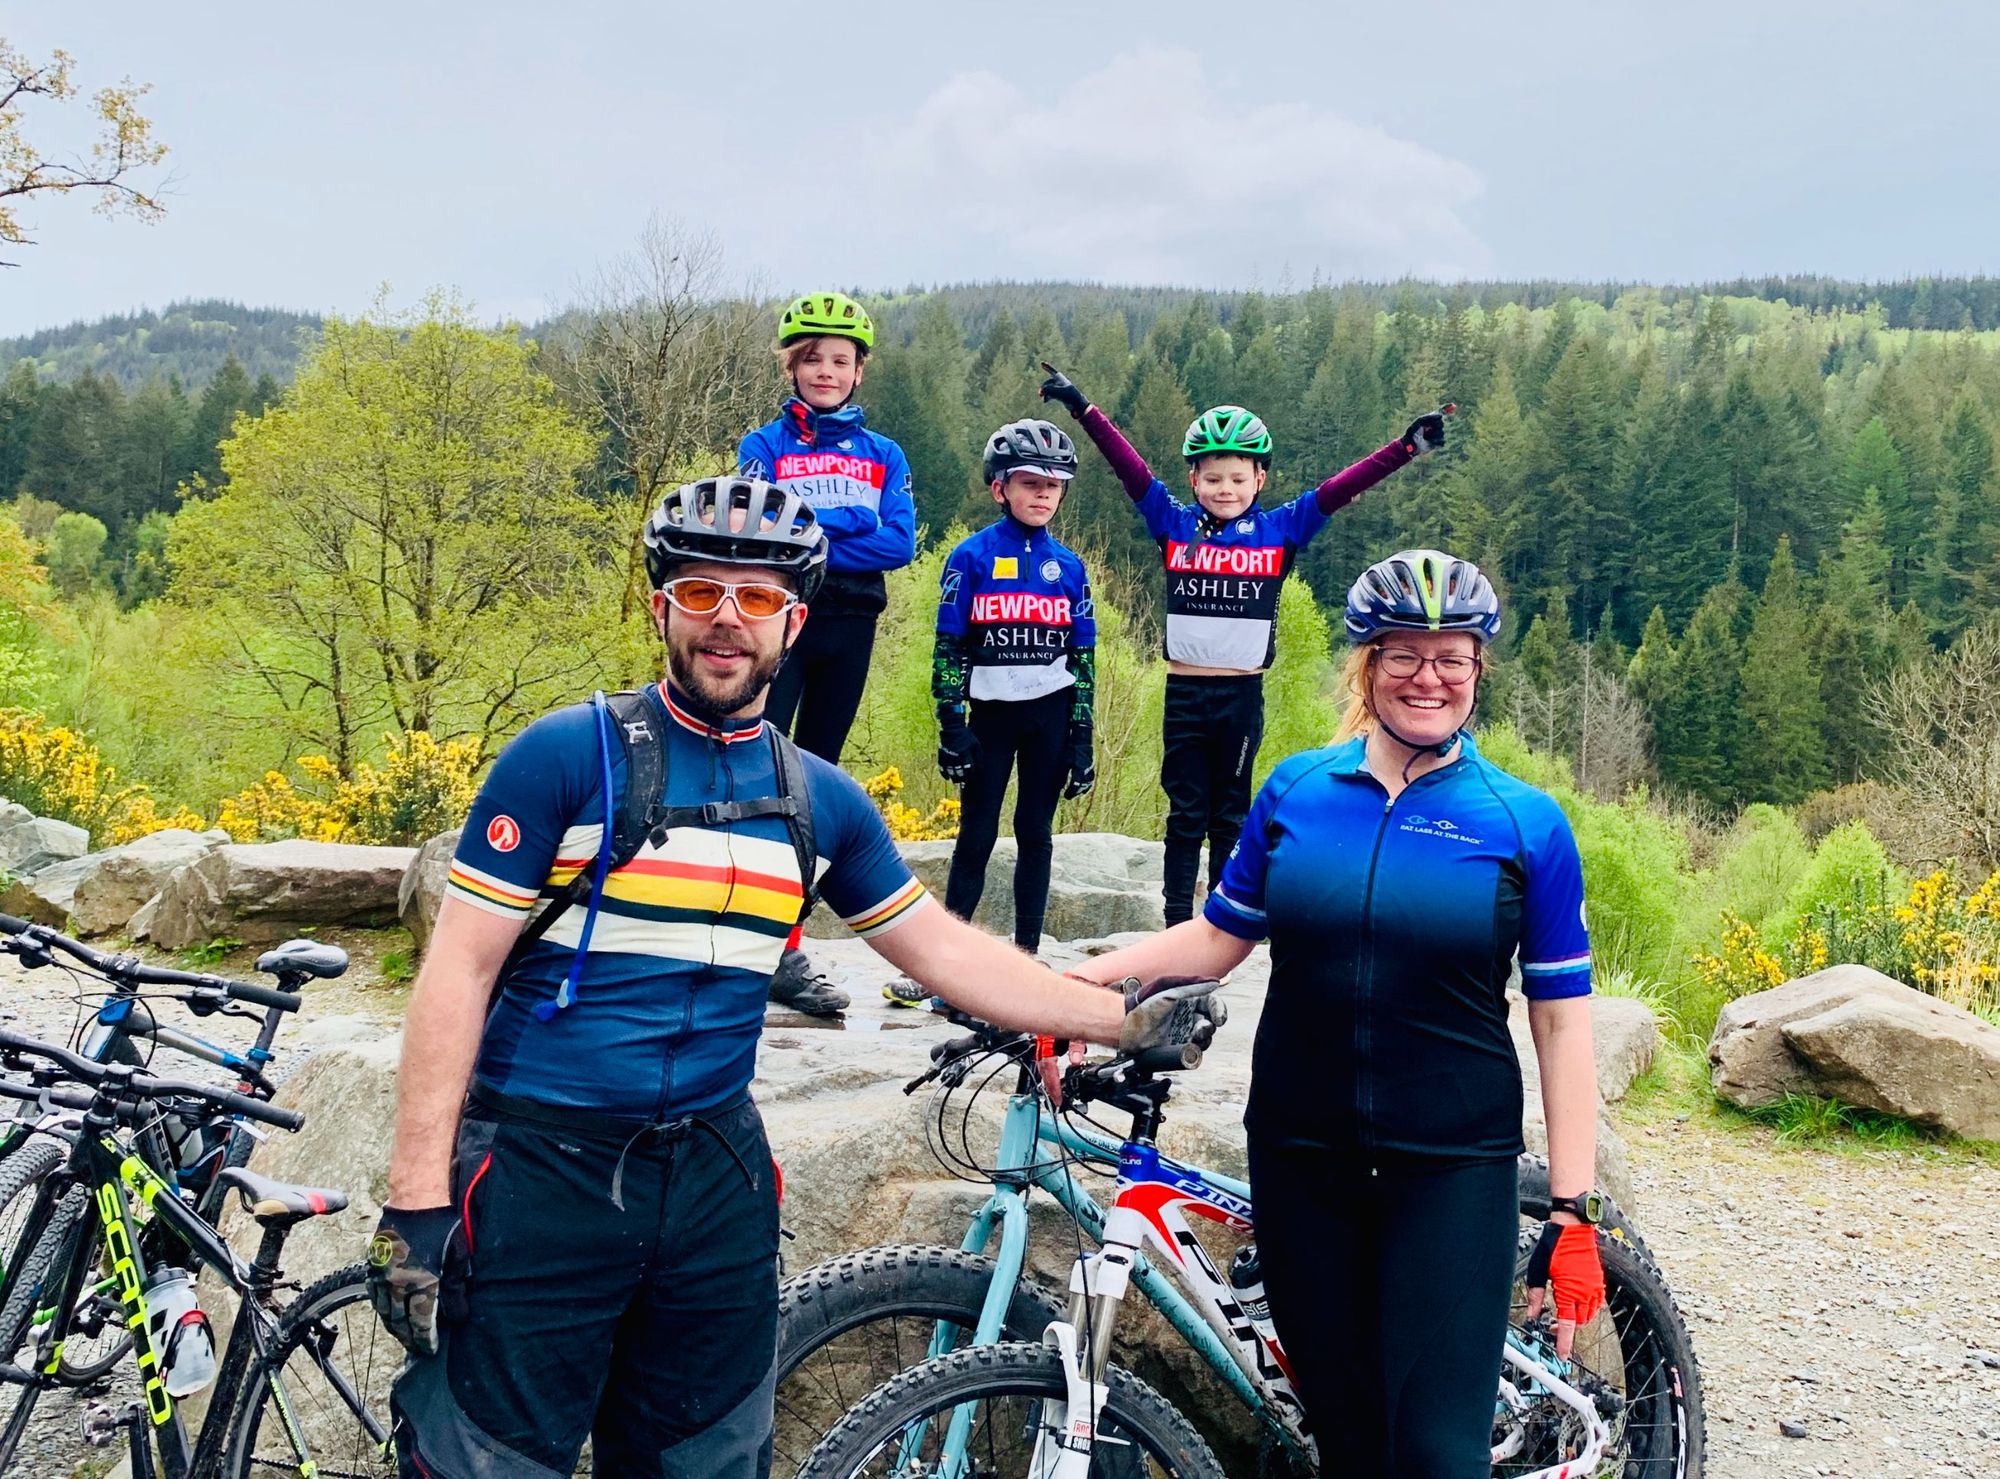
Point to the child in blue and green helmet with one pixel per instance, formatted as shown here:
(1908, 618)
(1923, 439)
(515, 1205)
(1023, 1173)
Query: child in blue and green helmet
(1225, 559)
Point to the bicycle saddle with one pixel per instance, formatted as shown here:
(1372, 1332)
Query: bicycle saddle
(279, 1203)
(303, 958)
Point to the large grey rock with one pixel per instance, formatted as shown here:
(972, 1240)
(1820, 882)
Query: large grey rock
(1853, 1034)
(1100, 883)
(1750, 1061)
(1625, 1035)
(1909, 1055)
(115, 883)
(270, 891)
(29, 844)
(421, 892)
(47, 896)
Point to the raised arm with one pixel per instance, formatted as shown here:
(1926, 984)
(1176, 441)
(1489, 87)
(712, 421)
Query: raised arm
(1126, 464)
(1425, 434)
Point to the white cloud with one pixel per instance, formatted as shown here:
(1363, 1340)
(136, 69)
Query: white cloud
(1148, 171)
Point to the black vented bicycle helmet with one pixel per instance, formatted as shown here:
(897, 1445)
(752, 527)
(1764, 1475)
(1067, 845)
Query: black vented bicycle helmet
(737, 521)
(1030, 446)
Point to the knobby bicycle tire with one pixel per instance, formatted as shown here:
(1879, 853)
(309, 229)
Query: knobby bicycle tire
(842, 1329)
(1136, 1420)
(336, 1305)
(1662, 1432)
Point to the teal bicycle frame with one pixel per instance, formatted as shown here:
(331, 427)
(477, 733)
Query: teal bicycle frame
(1530, 1371)
(1025, 1128)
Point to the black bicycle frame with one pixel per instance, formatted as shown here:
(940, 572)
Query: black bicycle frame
(98, 1161)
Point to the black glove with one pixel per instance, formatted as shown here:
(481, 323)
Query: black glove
(1170, 1011)
(958, 750)
(1062, 390)
(1082, 763)
(409, 1283)
(1426, 433)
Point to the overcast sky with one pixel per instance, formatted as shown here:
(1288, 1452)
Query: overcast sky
(506, 148)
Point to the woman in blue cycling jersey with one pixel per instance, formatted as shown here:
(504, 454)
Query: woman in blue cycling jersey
(1398, 875)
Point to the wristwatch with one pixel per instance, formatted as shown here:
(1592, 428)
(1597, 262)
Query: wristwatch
(1587, 1209)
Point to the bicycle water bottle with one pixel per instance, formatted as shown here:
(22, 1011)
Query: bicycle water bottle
(179, 1332)
(1246, 1280)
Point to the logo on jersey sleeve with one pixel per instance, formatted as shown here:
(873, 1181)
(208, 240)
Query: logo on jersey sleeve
(503, 833)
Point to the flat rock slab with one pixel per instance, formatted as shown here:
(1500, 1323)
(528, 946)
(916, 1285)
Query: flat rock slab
(271, 891)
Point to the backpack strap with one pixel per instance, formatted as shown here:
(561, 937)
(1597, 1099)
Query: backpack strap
(643, 816)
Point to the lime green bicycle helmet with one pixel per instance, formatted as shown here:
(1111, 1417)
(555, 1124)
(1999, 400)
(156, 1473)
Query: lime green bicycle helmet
(1230, 430)
(834, 315)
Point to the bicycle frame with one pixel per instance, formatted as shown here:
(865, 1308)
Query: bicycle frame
(1154, 1197)
(98, 1161)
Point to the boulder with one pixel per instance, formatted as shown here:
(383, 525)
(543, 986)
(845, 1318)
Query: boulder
(421, 892)
(1909, 1055)
(1750, 1062)
(115, 883)
(29, 844)
(45, 898)
(269, 891)
(1853, 1034)
(1625, 1035)
(1100, 883)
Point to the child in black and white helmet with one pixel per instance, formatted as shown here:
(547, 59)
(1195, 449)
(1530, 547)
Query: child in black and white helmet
(1013, 673)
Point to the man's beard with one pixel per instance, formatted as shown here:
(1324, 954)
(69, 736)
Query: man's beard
(719, 698)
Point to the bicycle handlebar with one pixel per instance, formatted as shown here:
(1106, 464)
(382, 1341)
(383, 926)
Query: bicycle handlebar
(129, 1083)
(131, 969)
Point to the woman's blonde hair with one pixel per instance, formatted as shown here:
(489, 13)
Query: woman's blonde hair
(1356, 716)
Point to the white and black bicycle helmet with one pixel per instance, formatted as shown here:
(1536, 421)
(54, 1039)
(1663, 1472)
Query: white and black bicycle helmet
(737, 521)
(1422, 590)
(1030, 446)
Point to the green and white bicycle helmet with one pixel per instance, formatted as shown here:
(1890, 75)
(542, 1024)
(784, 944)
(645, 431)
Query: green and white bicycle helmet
(830, 315)
(1227, 429)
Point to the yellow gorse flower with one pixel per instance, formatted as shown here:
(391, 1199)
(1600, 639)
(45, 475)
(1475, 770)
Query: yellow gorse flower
(906, 823)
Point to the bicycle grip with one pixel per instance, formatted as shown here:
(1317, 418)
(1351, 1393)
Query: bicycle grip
(263, 996)
(257, 1109)
(1168, 1058)
(9, 925)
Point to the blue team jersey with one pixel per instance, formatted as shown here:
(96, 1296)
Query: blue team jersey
(1393, 928)
(671, 999)
(1021, 602)
(857, 481)
(1222, 586)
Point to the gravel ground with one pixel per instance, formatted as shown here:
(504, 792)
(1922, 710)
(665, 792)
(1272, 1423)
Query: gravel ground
(1854, 1293)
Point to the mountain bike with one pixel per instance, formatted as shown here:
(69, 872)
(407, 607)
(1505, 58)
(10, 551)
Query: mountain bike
(301, 1389)
(190, 1147)
(1627, 1403)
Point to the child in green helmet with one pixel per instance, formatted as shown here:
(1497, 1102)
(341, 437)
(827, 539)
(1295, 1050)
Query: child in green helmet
(1225, 559)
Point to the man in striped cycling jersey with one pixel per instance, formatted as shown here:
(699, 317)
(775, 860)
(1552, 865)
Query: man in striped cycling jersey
(582, 1223)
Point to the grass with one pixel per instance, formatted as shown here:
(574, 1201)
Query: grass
(398, 966)
(214, 952)
(1676, 1088)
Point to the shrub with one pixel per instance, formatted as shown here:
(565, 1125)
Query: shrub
(421, 789)
(1887, 812)
(1762, 861)
(906, 823)
(1848, 860)
(56, 772)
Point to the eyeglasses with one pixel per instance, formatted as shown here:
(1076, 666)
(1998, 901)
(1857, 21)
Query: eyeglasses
(1452, 669)
(755, 599)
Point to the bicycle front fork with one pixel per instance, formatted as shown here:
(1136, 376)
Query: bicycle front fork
(1097, 1285)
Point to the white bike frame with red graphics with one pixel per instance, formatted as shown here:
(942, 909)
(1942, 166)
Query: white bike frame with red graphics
(1155, 1197)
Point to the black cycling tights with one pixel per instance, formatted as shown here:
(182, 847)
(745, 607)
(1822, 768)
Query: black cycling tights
(1212, 730)
(821, 681)
(1390, 1290)
(1034, 732)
